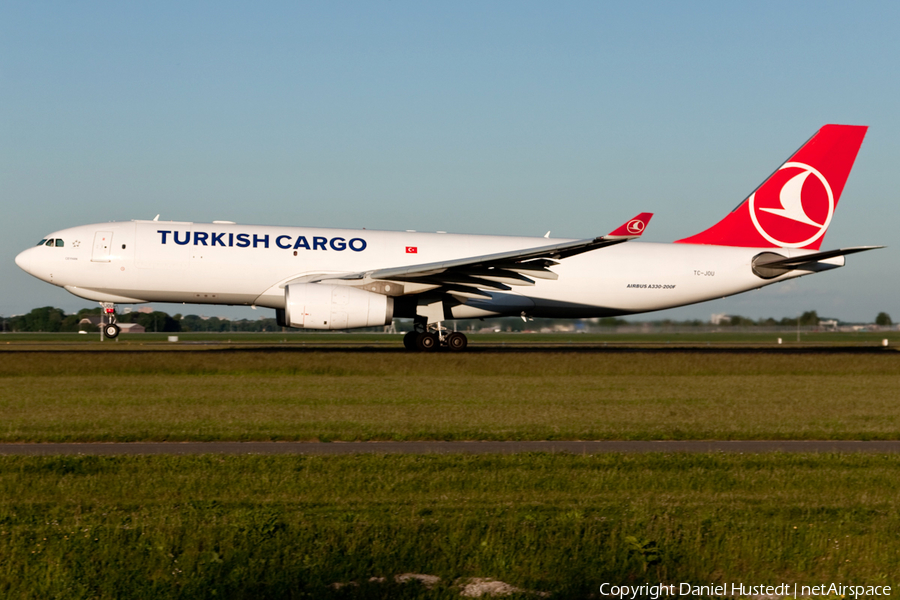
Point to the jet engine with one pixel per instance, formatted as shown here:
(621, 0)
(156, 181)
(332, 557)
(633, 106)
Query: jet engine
(318, 306)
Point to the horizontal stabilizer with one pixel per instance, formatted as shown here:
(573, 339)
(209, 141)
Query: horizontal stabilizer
(817, 256)
(768, 265)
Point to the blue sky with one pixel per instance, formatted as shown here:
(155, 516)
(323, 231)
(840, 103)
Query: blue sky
(501, 117)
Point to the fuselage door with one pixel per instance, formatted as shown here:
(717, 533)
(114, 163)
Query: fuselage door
(102, 246)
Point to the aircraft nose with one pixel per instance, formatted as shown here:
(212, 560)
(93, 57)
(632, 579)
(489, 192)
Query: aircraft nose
(24, 260)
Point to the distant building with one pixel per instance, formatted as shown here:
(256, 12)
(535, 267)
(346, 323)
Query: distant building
(91, 320)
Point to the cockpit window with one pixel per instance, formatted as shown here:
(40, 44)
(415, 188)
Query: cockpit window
(41, 243)
(60, 243)
(49, 242)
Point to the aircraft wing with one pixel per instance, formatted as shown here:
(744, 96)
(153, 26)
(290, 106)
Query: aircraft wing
(465, 276)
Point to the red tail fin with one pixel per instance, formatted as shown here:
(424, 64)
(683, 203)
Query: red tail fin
(794, 206)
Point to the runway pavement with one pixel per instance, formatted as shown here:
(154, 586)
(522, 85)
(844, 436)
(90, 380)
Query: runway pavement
(442, 447)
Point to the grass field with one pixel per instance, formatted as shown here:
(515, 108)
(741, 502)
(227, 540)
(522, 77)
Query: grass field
(276, 393)
(294, 527)
(291, 527)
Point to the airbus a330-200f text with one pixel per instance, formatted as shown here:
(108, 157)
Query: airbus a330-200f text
(344, 279)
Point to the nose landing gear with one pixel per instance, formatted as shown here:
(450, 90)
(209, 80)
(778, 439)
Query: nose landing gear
(109, 329)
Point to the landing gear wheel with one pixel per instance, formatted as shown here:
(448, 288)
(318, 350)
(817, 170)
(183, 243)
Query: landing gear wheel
(111, 331)
(409, 340)
(457, 342)
(427, 342)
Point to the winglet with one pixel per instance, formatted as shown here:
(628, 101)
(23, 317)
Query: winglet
(632, 229)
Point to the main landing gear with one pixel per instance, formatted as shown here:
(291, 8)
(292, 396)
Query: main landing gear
(421, 340)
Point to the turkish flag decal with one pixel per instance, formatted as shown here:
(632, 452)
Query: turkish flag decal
(412, 250)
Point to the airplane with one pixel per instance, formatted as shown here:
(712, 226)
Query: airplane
(341, 279)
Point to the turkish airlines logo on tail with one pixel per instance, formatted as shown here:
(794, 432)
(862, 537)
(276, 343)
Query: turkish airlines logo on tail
(793, 208)
(635, 226)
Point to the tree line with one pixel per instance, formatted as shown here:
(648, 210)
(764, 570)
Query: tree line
(51, 319)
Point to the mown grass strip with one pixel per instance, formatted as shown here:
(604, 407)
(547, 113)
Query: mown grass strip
(285, 395)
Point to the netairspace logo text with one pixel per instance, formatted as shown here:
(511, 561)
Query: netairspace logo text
(731, 590)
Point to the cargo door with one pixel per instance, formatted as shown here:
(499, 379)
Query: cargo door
(102, 246)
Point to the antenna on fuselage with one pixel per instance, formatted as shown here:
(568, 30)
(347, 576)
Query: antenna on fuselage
(156, 218)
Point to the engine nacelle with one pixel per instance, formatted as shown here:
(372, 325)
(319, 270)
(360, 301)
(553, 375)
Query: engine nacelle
(318, 306)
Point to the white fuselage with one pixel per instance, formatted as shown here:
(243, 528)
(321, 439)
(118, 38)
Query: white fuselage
(225, 263)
